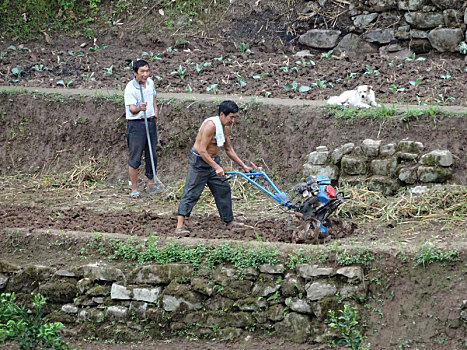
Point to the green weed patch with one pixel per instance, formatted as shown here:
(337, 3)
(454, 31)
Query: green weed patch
(149, 251)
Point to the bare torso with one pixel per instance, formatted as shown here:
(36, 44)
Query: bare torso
(208, 130)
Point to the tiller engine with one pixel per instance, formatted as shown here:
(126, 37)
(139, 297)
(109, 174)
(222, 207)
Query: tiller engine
(314, 201)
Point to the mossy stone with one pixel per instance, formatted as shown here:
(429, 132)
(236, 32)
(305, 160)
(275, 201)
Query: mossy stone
(98, 291)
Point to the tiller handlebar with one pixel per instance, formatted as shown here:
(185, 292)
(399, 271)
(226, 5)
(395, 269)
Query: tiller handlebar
(320, 199)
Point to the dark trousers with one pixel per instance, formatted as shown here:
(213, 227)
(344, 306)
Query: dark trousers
(138, 142)
(198, 176)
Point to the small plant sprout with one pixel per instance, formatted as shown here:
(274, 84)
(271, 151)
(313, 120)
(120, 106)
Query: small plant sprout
(97, 47)
(326, 55)
(188, 88)
(409, 59)
(17, 71)
(130, 66)
(199, 66)
(59, 61)
(212, 88)
(267, 94)
(244, 49)
(11, 47)
(395, 89)
(304, 63)
(287, 69)
(294, 86)
(291, 86)
(88, 76)
(322, 84)
(351, 76)
(420, 102)
(259, 76)
(444, 100)
(75, 54)
(240, 80)
(463, 48)
(180, 72)
(65, 83)
(416, 82)
(158, 78)
(370, 70)
(392, 64)
(108, 70)
(171, 50)
(39, 67)
(446, 76)
(152, 56)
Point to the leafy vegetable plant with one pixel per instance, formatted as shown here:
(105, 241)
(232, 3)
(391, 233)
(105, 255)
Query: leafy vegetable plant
(97, 47)
(240, 80)
(395, 89)
(181, 72)
(65, 83)
(294, 86)
(412, 58)
(416, 82)
(212, 88)
(244, 49)
(287, 69)
(326, 55)
(152, 56)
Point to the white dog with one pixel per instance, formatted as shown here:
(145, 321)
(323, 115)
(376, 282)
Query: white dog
(363, 97)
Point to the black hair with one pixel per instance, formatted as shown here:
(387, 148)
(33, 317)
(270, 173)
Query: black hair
(228, 107)
(138, 64)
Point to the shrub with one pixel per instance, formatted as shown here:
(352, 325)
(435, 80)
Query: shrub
(27, 327)
(348, 326)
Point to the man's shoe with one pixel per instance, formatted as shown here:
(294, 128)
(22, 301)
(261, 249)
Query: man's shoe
(154, 189)
(182, 231)
(234, 223)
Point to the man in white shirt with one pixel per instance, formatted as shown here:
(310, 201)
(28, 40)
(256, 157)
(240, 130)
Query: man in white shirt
(136, 109)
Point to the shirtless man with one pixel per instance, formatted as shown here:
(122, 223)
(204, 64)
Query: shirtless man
(204, 166)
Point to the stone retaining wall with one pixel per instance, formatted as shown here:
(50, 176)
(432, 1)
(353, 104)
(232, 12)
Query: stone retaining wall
(393, 27)
(162, 300)
(381, 167)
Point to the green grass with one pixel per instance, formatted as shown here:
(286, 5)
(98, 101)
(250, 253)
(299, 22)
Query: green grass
(429, 255)
(38, 19)
(383, 113)
(150, 252)
(358, 256)
(341, 112)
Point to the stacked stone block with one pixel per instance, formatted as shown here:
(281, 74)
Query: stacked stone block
(395, 28)
(164, 300)
(382, 167)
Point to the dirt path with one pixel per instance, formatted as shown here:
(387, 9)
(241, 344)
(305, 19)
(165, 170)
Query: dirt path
(206, 97)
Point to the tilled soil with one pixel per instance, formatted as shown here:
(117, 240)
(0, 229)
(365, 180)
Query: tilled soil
(432, 79)
(143, 223)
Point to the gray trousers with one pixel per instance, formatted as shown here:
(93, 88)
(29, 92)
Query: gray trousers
(138, 142)
(198, 176)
